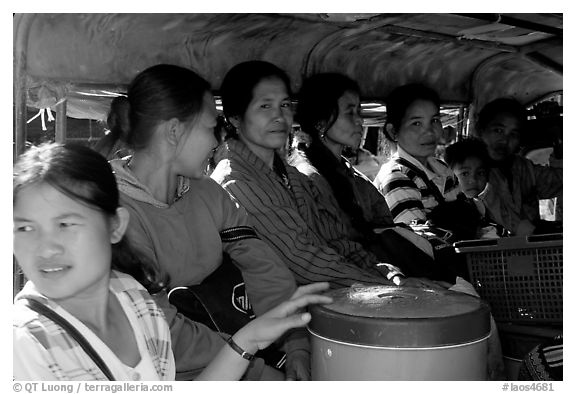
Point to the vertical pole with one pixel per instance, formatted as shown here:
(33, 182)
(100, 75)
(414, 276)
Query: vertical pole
(460, 123)
(22, 23)
(60, 129)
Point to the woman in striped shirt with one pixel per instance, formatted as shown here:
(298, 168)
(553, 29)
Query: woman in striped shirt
(414, 181)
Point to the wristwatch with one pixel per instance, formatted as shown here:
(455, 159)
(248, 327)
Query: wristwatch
(244, 354)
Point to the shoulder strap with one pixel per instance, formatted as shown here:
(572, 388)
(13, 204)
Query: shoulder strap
(42, 309)
(431, 185)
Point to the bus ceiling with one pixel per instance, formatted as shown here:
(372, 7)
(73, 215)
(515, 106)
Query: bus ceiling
(75, 63)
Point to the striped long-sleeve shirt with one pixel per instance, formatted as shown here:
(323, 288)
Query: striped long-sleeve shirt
(285, 215)
(407, 193)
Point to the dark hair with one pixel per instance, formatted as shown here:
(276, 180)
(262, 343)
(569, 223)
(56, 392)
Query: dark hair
(238, 85)
(500, 106)
(85, 176)
(318, 101)
(459, 151)
(157, 94)
(402, 97)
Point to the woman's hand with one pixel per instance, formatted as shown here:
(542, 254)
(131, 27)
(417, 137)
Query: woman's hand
(265, 329)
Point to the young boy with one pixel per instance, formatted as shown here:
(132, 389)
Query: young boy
(469, 160)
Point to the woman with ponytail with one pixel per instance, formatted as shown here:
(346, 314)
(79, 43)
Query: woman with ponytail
(181, 219)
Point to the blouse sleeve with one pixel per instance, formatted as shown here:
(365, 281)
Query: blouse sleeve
(268, 280)
(403, 198)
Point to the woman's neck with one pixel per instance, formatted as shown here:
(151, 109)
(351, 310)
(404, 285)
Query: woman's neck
(265, 154)
(419, 159)
(91, 306)
(334, 147)
(156, 174)
(423, 161)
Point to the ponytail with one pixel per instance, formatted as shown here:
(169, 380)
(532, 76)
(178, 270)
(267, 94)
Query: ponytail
(118, 124)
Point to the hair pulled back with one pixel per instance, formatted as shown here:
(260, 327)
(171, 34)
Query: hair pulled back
(318, 101)
(317, 111)
(157, 94)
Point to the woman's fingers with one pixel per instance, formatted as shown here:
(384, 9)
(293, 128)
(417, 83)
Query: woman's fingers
(311, 288)
(293, 321)
(289, 307)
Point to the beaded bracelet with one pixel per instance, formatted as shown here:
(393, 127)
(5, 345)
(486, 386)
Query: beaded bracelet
(239, 350)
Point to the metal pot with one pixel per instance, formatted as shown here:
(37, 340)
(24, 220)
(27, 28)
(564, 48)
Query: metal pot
(399, 333)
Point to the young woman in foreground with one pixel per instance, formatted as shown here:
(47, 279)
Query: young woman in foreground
(69, 241)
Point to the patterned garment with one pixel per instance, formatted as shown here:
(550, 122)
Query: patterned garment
(64, 357)
(286, 213)
(544, 362)
(357, 192)
(509, 204)
(407, 194)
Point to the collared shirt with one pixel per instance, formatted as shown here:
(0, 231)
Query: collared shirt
(313, 245)
(45, 351)
(407, 194)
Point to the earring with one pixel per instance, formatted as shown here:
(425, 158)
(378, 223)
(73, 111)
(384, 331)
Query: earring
(321, 129)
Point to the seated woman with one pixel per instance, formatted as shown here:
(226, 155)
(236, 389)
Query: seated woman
(516, 183)
(182, 220)
(282, 203)
(286, 209)
(417, 185)
(85, 313)
(329, 113)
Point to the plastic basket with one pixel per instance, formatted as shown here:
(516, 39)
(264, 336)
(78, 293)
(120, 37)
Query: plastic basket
(520, 277)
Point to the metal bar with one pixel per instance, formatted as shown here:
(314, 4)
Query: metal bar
(81, 88)
(460, 123)
(511, 21)
(542, 45)
(60, 129)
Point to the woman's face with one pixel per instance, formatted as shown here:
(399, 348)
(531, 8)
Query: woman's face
(198, 142)
(502, 136)
(63, 246)
(347, 130)
(267, 121)
(420, 130)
